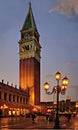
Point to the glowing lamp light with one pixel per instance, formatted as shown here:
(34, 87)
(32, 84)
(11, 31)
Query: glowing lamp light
(65, 81)
(58, 76)
(63, 87)
(9, 113)
(46, 86)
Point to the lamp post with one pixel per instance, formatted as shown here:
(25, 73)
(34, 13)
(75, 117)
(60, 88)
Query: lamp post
(57, 89)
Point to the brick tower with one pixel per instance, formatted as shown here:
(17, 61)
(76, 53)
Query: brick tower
(29, 58)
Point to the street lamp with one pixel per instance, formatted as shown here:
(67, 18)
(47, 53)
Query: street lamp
(57, 89)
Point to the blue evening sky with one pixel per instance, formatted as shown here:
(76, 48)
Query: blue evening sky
(57, 23)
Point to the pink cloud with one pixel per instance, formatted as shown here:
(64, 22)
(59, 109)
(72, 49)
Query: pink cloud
(66, 7)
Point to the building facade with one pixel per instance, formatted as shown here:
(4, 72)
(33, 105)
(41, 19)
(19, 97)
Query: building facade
(13, 101)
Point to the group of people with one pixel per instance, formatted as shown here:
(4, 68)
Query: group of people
(47, 117)
(33, 116)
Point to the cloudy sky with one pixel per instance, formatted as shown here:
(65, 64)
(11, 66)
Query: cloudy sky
(57, 23)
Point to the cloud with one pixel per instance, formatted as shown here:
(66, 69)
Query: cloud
(73, 62)
(66, 7)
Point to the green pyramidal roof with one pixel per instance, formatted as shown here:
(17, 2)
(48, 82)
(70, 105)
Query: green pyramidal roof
(29, 21)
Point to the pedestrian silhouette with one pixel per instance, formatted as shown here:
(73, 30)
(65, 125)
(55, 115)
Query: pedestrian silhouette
(33, 117)
(47, 117)
(69, 117)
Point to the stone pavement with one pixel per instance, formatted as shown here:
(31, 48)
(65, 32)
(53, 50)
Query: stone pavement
(47, 125)
(64, 124)
(26, 123)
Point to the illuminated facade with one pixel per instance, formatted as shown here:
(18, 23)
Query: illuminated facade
(13, 101)
(29, 59)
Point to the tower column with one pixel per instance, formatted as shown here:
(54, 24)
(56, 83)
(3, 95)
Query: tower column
(29, 58)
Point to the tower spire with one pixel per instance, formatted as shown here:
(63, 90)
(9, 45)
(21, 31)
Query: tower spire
(29, 4)
(29, 21)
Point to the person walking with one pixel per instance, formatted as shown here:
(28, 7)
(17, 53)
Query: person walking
(33, 117)
(47, 117)
(69, 117)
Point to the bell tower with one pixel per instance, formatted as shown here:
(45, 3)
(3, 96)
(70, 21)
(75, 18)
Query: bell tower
(29, 58)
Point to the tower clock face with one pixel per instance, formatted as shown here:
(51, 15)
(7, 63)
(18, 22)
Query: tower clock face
(27, 36)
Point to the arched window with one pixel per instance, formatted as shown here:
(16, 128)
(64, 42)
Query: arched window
(13, 98)
(9, 97)
(5, 96)
(0, 95)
